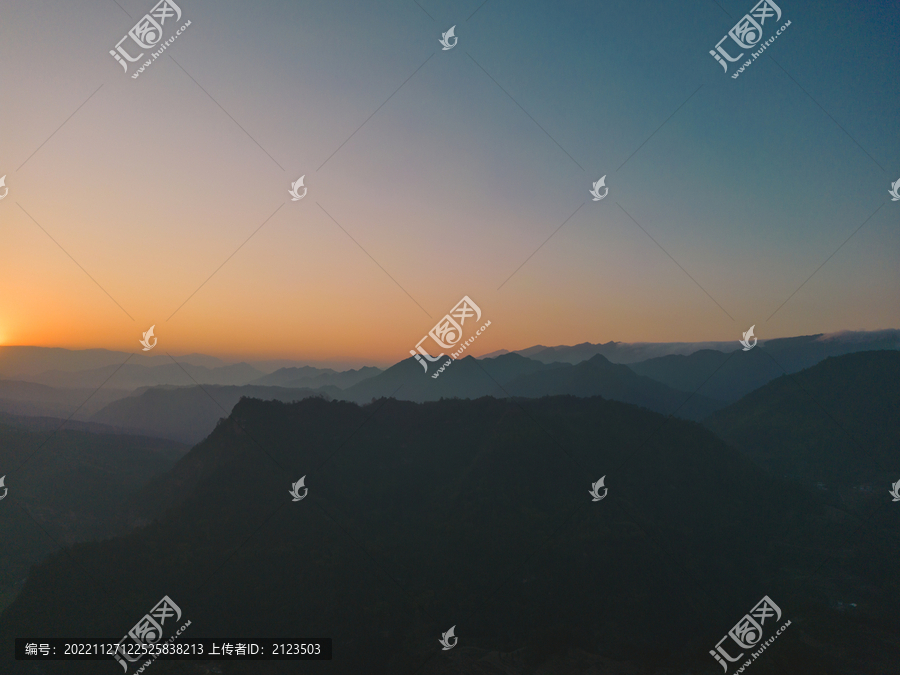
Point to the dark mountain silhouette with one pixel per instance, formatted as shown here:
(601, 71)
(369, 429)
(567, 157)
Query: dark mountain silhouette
(188, 414)
(312, 378)
(833, 427)
(477, 514)
(515, 375)
(72, 485)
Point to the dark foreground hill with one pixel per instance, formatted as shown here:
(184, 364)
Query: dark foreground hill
(477, 514)
(72, 486)
(834, 428)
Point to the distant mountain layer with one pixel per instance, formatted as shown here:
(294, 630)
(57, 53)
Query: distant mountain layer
(834, 427)
(94, 368)
(184, 375)
(465, 378)
(729, 376)
(598, 377)
(89, 368)
(131, 376)
(477, 514)
(312, 378)
(797, 352)
(618, 352)
(28, 398)
(515, 375)
(25, 362)
(188, 414)
(719, 375)
(33, 423)
(28, 363)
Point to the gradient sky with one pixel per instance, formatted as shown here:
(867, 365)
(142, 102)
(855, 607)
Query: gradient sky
(450, 186)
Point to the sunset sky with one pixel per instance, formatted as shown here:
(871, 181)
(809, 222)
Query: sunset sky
(150, 184)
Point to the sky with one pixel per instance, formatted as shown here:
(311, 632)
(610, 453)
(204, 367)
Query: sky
(435, 174)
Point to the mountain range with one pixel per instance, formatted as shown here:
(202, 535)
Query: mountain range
(795, 352)
(189, 414)
(690, 385)
(477, 514)
(678, 365)
(123, 370)
(515, 375)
